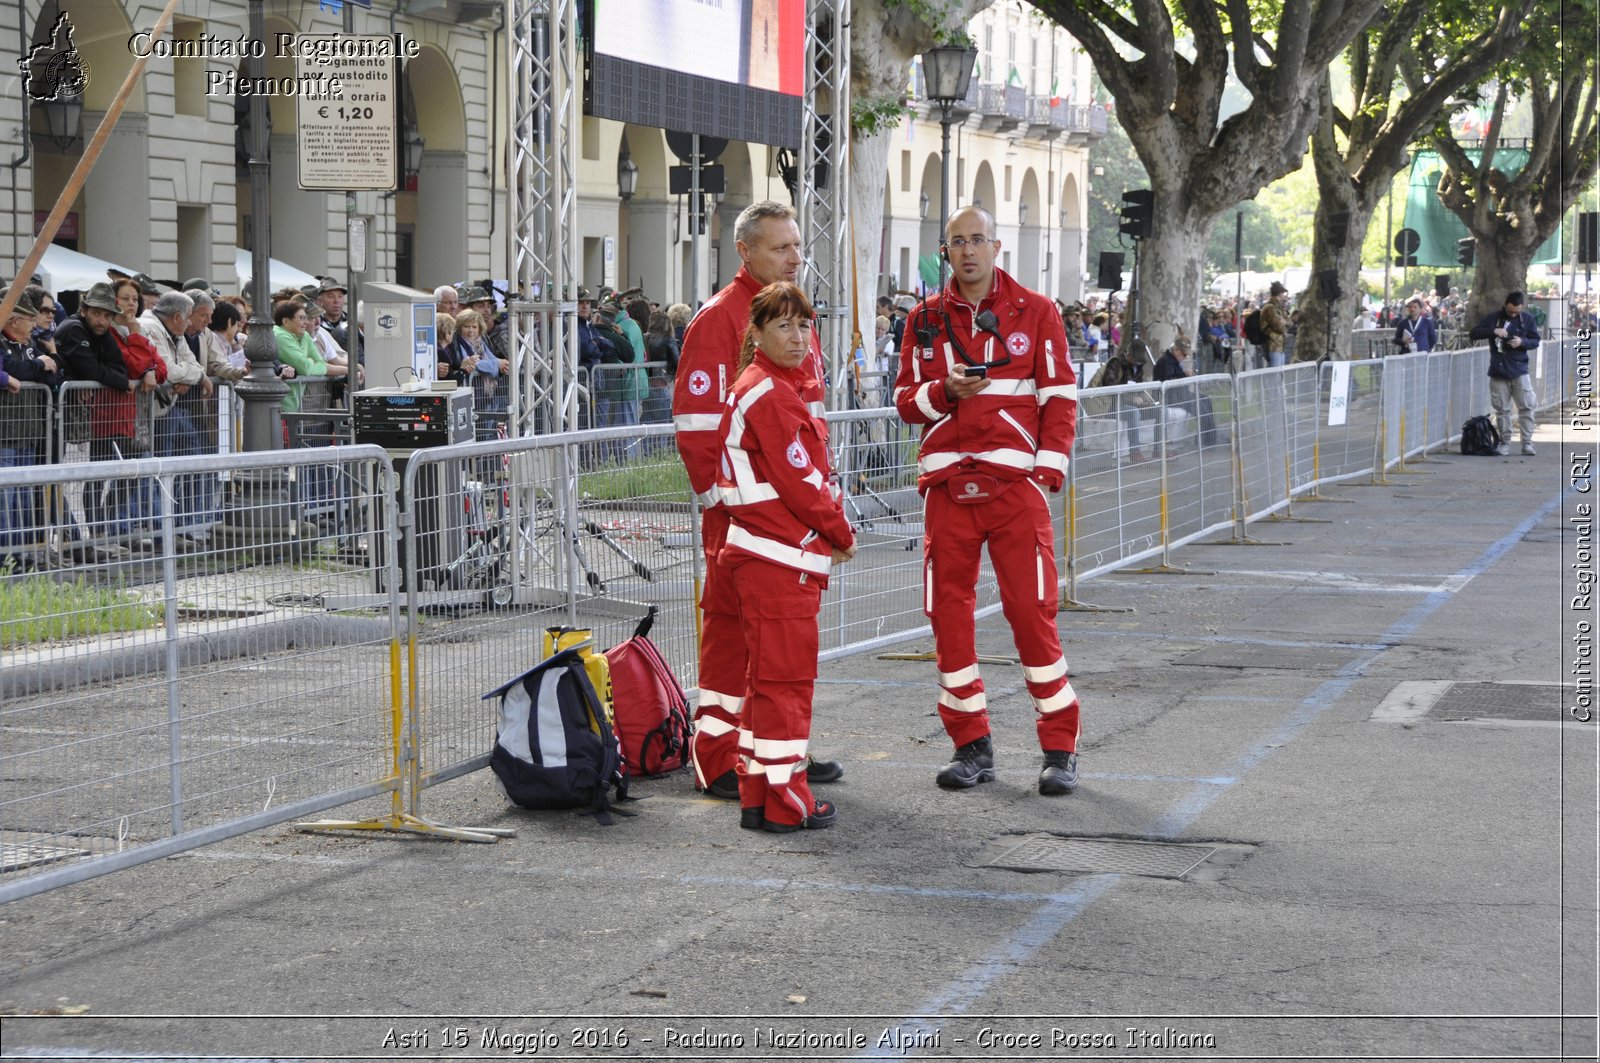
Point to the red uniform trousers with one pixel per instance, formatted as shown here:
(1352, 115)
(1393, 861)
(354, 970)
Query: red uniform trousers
(1016, 525)
(714, 748)
(780, 607)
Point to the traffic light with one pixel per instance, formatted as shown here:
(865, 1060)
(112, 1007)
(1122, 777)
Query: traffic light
(1138, 213)
(1466, 251)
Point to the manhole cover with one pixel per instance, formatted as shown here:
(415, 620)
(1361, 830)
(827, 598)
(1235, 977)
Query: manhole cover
(15, 856)
(1293, 658)
(1503, 701)
(1048, 852)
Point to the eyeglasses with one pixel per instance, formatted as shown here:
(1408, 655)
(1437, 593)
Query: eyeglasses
(979, 242)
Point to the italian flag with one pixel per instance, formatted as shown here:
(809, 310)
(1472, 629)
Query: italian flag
(1055, 91)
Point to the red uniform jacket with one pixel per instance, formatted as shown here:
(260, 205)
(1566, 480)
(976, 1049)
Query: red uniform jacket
(775, 475)
(1024, 420)
(705, 379)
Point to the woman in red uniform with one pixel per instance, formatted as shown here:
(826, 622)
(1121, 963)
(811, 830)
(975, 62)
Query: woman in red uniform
(788, 529)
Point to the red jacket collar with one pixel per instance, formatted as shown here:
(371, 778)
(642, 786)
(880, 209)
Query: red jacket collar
(796, 378)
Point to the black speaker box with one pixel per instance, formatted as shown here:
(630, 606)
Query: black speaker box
(1588, 238)
(1441, 284)
(1110, 270)
(1328, 283)
(1338, 228)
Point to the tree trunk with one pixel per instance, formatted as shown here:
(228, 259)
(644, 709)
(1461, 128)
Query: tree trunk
(1502, 267)
(869, 167)
(1326, 324)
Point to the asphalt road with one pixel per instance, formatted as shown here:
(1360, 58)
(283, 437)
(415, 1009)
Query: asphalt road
(1366, 866)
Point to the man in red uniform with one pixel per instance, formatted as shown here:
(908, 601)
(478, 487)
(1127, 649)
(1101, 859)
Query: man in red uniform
(768, 240)
(984, 368)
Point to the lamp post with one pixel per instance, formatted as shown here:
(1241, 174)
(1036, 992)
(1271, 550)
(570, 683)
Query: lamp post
(627, 173)
(261, 390)
(946, 76)
(63, 119)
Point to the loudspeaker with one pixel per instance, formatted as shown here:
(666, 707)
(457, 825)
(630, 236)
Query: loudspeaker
(1338, 229)
(1588, 238)
(1441, 284)
(1110, 271)
(1328, 283)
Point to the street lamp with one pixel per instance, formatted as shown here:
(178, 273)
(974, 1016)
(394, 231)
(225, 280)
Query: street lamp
(946, 76)
(1022, 213)
(627, 173)
(63, 119)
(922, 206)
(414, 147)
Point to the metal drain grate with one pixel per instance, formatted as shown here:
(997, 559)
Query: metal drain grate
(1292, 658)
(1503, 701)
(1048, 852)
(15, 856)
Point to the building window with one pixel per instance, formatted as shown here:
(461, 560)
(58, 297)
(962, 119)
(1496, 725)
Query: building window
(905, 171)
(591, 139)
(188, 75)
(1008, 185)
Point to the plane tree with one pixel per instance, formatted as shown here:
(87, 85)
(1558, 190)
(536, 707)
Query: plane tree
(1406, 69)
(1167, 64)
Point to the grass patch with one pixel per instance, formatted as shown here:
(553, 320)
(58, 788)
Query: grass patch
(657, 477)
(39, 609)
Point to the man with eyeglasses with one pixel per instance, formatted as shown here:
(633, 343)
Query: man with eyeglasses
(985, 370)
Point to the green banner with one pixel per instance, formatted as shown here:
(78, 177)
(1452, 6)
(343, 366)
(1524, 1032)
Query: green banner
(1440, 229)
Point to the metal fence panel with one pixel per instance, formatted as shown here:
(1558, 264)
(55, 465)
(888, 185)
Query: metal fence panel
(1114, 484)
(1198, 462)
(877, 596)
(26, 439)
(505, 539)
(166, 697)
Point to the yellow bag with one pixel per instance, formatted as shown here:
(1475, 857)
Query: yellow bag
(581, 639)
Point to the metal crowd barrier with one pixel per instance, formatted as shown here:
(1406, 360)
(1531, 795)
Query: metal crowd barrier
(504, 539)
(152, 703)
(401, 614)
(26, 440)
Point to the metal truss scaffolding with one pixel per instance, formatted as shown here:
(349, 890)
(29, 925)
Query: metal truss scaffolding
(824, 182)
(546, 116)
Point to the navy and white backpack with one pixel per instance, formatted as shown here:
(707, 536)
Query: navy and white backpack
(554, 747)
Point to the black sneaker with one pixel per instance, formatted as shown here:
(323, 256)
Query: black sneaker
(823, 770)
(974, 764)
(1060, 774)
(752, 818)
(823, 815)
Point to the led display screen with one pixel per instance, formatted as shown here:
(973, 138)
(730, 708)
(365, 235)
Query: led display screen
(724, 68)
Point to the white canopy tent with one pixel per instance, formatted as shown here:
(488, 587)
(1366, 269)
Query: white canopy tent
(279, 274)
(65, 270)
(1254, 281)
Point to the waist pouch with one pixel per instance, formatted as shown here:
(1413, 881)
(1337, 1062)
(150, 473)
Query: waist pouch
(972, 488)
